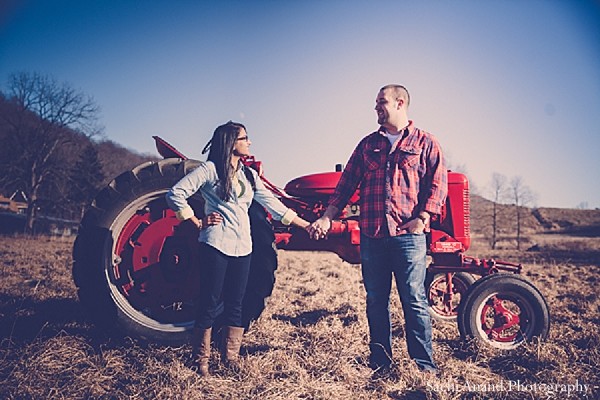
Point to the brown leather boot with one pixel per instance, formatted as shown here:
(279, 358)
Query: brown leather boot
(201, 349)
(232, 341)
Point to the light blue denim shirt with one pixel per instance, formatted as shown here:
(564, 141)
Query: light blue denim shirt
(232, 236)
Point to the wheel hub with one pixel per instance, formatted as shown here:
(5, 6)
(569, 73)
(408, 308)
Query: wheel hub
(506, 325)
(156, 271)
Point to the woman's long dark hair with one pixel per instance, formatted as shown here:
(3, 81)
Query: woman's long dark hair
(220, 150)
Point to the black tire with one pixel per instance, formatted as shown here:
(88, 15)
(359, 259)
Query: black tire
(104, 275)
(435, 287)
(262, 267)
(503, 311)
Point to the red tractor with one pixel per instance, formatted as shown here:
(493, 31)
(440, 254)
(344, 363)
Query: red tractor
(134, 261)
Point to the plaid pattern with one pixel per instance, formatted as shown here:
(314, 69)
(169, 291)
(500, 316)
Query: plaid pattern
(395, 183)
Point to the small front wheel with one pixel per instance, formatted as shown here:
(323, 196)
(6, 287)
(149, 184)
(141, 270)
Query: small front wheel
(444, 300)
(503, 311)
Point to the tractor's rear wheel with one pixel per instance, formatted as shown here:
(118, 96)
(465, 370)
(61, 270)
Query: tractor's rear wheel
(443, 304)
(503, 311)
(135, 264)
(262, 267)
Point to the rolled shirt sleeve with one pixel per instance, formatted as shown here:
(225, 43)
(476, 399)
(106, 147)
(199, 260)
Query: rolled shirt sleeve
(184, 213)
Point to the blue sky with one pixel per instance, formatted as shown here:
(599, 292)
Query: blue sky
(507, 86)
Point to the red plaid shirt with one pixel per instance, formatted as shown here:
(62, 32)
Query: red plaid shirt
(396, 184)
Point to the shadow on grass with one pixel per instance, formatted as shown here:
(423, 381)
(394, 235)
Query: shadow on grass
(580, 231)
(256, 349)
(305, 318)
(459, 348)
(559, 256)
(346, 313)
(521, 363)
(24, 321)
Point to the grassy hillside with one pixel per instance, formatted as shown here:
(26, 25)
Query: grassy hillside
(535, 220)
(549, 234)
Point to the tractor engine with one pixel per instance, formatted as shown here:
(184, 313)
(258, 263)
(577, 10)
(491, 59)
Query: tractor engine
(309, 195)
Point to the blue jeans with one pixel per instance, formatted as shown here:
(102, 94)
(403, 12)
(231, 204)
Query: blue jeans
(224, 280)
(403, 256)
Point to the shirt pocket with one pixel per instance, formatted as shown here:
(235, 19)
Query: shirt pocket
(374, 159)
(409, 159)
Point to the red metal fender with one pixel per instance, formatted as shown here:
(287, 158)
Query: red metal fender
(316, 185)
(166, 150)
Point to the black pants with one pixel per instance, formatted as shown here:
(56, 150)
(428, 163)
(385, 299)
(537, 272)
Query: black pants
(224, 279)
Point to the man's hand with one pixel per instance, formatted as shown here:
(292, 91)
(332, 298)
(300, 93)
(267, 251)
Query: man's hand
(318, 229)
(417, 225)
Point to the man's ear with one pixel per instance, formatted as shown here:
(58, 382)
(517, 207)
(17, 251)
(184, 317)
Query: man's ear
(400, 101)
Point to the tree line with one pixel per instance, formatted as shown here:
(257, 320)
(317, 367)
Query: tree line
(504, 217)
(53, 149)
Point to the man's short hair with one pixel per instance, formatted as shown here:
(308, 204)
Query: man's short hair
(399, 91)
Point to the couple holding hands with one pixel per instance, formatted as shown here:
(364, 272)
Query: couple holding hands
(402, 178)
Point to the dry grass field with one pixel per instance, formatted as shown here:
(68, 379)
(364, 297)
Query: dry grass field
(310, 343)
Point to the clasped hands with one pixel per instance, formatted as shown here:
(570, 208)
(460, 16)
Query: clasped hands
(317, 230)
(320, 228)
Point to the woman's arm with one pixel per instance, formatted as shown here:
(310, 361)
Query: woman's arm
(300, 222)
(177, 196)
(278, 210)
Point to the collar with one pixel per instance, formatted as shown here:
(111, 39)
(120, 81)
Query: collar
(410, 128)
(404, 143)
(238, 166)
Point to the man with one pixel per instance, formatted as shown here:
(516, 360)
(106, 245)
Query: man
(402, 178)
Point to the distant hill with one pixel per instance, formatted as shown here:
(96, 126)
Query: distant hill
(116, 159)
(573, 221)
(535, 220)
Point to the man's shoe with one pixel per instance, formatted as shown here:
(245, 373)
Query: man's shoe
(383, 372)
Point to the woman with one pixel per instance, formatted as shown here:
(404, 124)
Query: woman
(228, 188)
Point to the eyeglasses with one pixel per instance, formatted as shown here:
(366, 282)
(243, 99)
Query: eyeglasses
(246, 138)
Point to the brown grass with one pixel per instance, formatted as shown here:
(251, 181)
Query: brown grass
(310, 343)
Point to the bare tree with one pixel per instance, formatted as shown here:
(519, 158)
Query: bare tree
(86, 179)
(45, 120)
(522, 197)
(499, 192)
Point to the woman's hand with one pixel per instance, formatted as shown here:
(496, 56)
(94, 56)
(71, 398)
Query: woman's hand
(214, 218)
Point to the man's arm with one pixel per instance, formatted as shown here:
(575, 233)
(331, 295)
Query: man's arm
(349, 181)
(438, 180)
